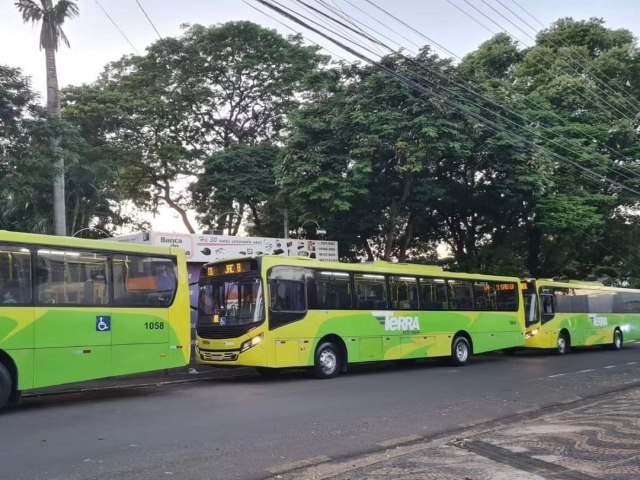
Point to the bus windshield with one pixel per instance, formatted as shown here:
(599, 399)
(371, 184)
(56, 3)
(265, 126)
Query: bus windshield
(231, 302)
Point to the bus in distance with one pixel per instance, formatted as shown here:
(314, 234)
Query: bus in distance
(73, 310)
(563, 315)
(271, 313)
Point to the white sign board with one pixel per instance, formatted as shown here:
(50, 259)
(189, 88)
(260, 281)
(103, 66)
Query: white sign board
(206, 248)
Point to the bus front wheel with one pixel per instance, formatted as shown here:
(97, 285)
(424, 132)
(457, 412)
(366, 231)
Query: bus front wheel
(5, 385)
(460, 351)
(564, 344)
(617, 339)
(327, 360)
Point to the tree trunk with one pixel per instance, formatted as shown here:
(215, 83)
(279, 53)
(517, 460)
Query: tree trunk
(53, 110)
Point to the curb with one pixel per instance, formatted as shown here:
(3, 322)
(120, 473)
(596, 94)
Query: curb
(142, 382)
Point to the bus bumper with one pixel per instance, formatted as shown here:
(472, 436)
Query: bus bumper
(255, 356)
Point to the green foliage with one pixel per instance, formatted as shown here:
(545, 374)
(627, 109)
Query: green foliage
(241, 175)
(167, 115)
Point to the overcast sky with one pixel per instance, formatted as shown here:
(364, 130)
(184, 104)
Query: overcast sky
(95, 41)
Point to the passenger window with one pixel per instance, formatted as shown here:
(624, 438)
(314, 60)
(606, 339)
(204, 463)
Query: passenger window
(287, 296)
(484, 296)
(433, 294)
(461, 298)
(371, 292)
(69, 277)
(548, 307)
(140, 281)
(404, 293)
(333, 290)
(15, 275)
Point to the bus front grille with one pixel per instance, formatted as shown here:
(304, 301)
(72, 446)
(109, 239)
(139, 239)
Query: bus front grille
(218, 356)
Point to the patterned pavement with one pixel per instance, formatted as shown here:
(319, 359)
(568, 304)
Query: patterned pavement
(589, 439)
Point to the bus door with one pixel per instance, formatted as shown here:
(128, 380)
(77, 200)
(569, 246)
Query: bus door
(144, 288)
(531, 307)
(73, 316)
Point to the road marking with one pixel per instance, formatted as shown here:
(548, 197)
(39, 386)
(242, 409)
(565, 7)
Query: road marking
(611, 366)
(631, 363)
(400, 441)
(585, 371)
(557, 375)
(308, 462)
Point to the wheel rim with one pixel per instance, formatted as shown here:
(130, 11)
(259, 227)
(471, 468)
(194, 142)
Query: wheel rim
(327, 361)
(462, 352)
(617, 339)
(562, 344)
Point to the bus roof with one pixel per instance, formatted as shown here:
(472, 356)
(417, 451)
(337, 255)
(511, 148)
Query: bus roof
(83, 243)
(369, 267)
(581, 284)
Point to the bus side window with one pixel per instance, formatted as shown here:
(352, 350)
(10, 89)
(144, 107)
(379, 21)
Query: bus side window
(548, 308)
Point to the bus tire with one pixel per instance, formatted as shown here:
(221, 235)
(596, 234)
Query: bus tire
(460, 351)
(5, 385)
(563, 344)
(617, 340)
(268, 372)
(328, 361)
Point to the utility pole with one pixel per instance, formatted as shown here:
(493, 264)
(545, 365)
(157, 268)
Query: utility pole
(285, 212)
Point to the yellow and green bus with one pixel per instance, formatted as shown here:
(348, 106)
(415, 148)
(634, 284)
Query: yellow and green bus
(274, 312)
(73, 310)
(563, 315)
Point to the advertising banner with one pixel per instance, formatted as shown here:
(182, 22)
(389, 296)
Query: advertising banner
(201, 248)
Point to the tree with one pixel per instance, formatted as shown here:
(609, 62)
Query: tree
(235, 179)
(51, 33)
(190, 98)
(26, 166)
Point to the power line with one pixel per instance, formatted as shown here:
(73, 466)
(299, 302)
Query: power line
(485, 98)
(628, 100)
(145, 14)
(116, 25)
(421, 88)
(289, 28)
(570, 67)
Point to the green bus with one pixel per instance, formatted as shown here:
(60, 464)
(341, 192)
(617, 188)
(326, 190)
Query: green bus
(73, 310)
(562, 315)
(274, 312)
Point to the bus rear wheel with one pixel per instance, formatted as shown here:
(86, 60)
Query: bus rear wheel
(5, 385)
(563, 346)
(328, 362)
(460, 351)
(617, 339)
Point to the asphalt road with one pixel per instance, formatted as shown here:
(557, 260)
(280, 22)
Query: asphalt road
(248, 428)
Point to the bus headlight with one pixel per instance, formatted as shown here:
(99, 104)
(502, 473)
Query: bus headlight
(251, 343)
(532, 333)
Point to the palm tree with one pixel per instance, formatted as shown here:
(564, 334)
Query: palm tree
(52, 18)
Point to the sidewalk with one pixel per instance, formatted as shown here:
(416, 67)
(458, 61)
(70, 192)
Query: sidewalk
(597, 438)
(192, 373)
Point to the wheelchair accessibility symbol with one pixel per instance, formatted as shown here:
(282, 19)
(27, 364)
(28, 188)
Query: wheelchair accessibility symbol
(103, 324)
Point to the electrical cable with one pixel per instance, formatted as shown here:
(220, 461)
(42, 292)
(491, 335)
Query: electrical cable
(419, 87)
(478, 94)
(116, 25)
(594, 176)
(149, 19)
